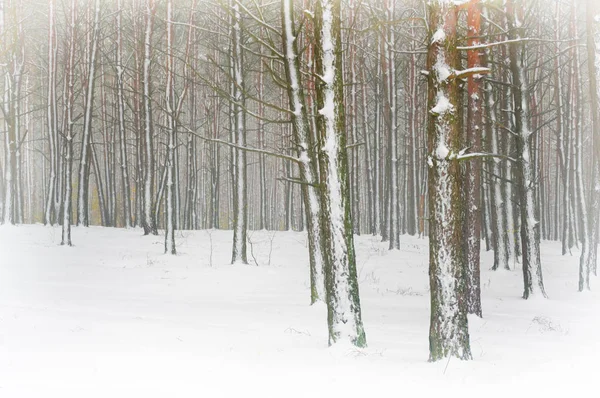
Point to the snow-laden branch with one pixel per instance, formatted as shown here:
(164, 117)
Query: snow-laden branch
(475, 155)
(500, 43)
(461, 74)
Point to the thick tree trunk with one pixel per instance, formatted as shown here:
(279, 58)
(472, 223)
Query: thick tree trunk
(473, 167)
(448, 333)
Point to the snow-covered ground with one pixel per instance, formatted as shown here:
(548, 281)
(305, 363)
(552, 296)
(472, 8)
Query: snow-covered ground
(114, 317)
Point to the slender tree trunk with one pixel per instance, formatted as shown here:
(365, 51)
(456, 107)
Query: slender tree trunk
(306, 153)
(170, 219)
(240, 203)
(593, 64)
(68, 141)
(84, 164)
(530, 229)
(148, 217)
(342, 295)
(125, 187)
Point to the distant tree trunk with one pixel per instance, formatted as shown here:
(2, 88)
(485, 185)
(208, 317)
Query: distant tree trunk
(125, 187)
(391, 94)
(530, 229)
(148, 217)
(584, 270)
(170, 219)
(52, 208)
(377, 146)
(500, 241)
(68, 124)
(84, 164)
(593, 64)
(342, 295)
(448, 333)
(240, 202)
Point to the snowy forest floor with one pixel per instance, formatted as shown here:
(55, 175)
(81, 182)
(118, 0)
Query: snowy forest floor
(114, 317)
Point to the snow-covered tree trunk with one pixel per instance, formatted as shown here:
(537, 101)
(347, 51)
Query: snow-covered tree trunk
(240, 196)
(530, 228)
(448, 333)
(84, 163)
(342, 295)
(52, 207)
(413, 150)
(306, 152)
(68, 133)
(148, 216)
(473, 169)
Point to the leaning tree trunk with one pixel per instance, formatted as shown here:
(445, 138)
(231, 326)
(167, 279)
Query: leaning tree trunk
(448, 333)
(306, 153)
(342, 296)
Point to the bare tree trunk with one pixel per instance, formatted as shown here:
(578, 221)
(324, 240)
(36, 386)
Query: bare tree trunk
(84, 164)
(53, 191)
(68, 124)
(530, 229)
(593, 64)
(306, 153)
(148, 217)
(240, 204)
(393, 203)
(125, 187)
(170, 219)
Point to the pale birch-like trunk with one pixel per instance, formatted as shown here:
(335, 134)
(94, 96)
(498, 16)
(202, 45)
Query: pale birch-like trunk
(306, 153)
(342, 295)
